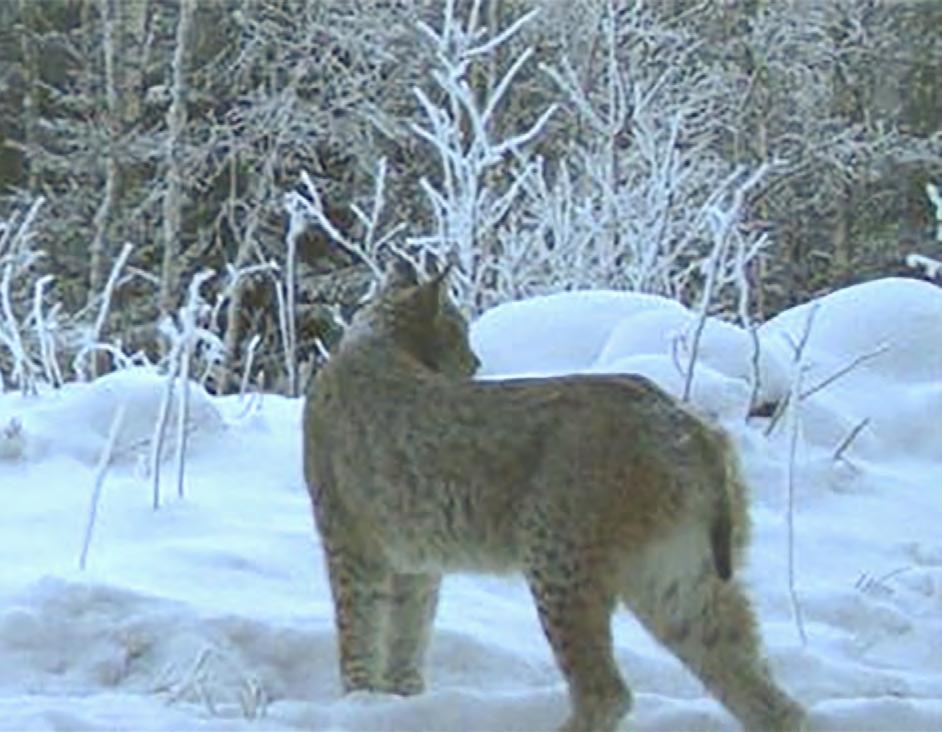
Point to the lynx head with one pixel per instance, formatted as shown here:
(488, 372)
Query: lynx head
(419, 318)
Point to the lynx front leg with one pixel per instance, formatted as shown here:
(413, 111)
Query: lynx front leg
(412, 611)
(576, 617)
(360, 584)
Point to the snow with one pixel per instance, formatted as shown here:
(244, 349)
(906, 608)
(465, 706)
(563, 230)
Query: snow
(554, 334)
(893, 327)
(214, 613)
(49, 426)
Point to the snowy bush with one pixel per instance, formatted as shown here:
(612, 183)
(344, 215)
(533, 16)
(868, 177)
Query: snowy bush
(27, 337)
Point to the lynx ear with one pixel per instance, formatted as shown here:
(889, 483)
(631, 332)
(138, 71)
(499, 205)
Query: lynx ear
(427, 297)
(437, 287)
(400, 272)
(441, 278)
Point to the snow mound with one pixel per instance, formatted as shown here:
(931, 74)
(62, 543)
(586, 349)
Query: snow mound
(723, 347)
(600, 331)
(873, 357)
(74, 640)
(712, 393)
(77, 419)
(904, 316)
(554, 334)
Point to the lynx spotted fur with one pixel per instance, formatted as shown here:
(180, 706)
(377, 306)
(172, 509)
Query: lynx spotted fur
(599, 489)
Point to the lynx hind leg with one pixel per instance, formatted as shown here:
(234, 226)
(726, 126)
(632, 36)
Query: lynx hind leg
(360, 584)
(709, 625)
(575, 612)
(413, 602)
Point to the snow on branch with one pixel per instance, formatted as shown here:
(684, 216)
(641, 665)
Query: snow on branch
(309, 208)
(935, 197)
(45, 326)
(186, 336)
(100, 472)
(16, 256)
(627, 206)
(931, 266)
(467, 206)
(92, 339)
(723, 222)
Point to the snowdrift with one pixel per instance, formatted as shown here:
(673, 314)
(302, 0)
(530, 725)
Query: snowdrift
(214, 613)
(77, 419)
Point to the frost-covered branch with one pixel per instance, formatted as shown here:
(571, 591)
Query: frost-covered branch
(100, 471)
(747, 323)
(45, 327)
(310, 208)
(844, 370)
(467, 203)
(16, 256)
(185, 338)
(230, 297)
(190, 334)
(626, 207)
(935, 197)
(170, 331)
(932, 267)
(723, 223)
(794, 434)
(92, 340)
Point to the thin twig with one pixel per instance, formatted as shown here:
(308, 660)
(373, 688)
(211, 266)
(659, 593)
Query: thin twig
(794, 411)
(160, 428)
(247, 370)
(878, 351)
(101, 470)
(847, 441)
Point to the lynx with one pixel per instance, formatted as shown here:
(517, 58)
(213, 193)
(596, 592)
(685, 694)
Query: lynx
(596, 488)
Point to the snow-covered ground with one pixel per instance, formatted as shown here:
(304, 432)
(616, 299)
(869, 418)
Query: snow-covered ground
(214, 613)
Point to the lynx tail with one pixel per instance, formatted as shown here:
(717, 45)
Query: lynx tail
(721, 538)
(730, 496)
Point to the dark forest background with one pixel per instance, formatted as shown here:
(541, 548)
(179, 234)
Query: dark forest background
(183, 128)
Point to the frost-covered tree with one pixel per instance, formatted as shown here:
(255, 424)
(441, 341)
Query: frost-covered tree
(662, 114)
(820, 83)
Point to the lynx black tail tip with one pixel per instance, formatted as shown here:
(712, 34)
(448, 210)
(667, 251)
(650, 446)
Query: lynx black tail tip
(721, 542)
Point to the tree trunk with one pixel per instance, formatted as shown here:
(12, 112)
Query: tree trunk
(104, 215)
(30, 113)
(136, 53)
(173, 196)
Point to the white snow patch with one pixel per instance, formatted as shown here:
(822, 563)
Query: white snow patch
(214, 613)
(76, 419)
(904, 316)
(554, 334)
(887, 336)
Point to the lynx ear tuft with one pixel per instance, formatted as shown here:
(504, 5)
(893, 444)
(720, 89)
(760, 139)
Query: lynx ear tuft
(442, 276)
